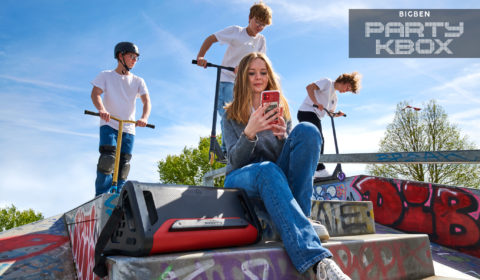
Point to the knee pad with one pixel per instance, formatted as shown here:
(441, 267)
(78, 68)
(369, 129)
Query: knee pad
(124, 166)
(106, 162)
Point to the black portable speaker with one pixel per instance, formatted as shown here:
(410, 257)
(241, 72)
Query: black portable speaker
(155, 218)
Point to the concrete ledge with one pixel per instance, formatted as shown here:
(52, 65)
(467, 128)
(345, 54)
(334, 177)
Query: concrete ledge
(344, 217)
(372, 256)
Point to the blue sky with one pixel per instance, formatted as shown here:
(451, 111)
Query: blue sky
(51, 50)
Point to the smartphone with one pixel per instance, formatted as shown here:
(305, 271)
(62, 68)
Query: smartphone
(272, 97)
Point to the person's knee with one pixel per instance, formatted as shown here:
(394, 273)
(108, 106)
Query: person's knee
(271, 175)
(308, 132)
(106, 161)
(268, 167)
(124, 166)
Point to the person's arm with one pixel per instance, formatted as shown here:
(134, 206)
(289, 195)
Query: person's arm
(98, 103)
(201, 61)
(239, 147)
(311, 93)
(241, 140)
(147, 108)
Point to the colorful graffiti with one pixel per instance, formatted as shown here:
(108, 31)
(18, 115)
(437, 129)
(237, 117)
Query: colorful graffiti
(40, 250)
(263, 264)
(20, 247)
(83, 243)
(438, 156)
(391, 259)
(84, 226)
(344, 217)
(374, 258)
(449, 215)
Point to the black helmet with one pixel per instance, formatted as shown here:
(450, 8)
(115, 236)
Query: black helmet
(126, 47)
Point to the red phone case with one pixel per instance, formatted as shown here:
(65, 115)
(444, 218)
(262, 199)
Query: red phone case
(272, 97)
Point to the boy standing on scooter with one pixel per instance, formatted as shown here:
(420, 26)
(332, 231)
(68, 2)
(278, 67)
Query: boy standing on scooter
(241, 41)
(120, 89)
(322, 93)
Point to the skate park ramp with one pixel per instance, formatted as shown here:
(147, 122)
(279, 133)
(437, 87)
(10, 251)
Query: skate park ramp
(380, 228)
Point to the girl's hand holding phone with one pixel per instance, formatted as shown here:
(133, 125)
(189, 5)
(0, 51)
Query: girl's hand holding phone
(259, 121)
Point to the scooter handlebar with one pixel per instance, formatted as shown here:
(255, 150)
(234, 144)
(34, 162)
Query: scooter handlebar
(92, 113)
(328, 112)
(87, 112)
(194, 61)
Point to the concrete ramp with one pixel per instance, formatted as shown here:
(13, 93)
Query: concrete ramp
(39, 250)
(365, 255)
(62, 247)
(84, 225)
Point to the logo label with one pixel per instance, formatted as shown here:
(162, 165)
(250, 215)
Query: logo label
(388, 33)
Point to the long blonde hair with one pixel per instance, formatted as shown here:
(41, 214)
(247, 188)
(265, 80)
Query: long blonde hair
(240, 108)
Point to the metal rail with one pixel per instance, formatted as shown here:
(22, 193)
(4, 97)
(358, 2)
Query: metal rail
(443, 157)
(463, 156)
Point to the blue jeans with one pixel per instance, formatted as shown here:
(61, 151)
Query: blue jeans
(108, 137)
(286, 189)
(225, 95)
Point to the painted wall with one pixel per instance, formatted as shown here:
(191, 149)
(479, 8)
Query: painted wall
(84, 226)
(449, 215)
(39, 250)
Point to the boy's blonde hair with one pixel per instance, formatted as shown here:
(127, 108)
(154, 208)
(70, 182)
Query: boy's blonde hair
(262, 12)
(353, 79)
(241, 106)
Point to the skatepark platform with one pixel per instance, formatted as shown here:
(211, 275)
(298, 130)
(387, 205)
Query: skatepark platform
(62, 247)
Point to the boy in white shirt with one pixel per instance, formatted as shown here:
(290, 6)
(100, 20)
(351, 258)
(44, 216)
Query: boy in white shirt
(322, 93)
(120, 89)
(241, 41)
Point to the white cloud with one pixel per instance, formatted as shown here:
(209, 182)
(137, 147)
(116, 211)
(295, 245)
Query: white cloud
(461, 89)
(41, 83)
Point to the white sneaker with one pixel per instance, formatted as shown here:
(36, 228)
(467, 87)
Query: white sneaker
(320, 229)
(328, 269)
(321, 173)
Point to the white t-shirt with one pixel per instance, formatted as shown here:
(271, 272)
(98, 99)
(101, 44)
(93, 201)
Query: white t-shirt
(119, 95)
(239, 45)
(325, 95)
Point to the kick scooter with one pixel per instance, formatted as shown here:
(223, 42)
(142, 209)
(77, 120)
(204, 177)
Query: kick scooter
(113, 189)
(215, 151)
(337, 172)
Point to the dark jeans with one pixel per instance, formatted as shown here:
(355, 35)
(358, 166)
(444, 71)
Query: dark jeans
(311, 117)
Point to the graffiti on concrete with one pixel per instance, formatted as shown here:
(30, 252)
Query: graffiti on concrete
(272, 263)
(330, 192)
(40, 250)
(83, 238)
(440, 156)
(84, 226)
(449, 215)
(28, 246)
(384, 260)
(110, 204)
(344, 218)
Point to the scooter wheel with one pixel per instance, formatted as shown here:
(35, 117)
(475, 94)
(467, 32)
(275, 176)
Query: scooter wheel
(341, 176)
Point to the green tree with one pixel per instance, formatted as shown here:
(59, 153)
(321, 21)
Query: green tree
(11, 217)
(422, 130)
(189, 167)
